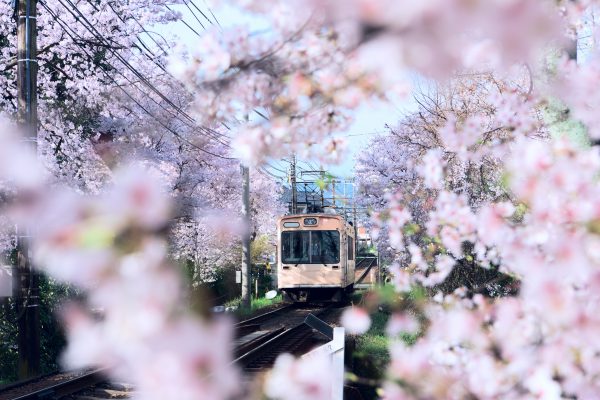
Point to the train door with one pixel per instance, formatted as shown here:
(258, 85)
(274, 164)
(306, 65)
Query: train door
(344, 259)
(350, 257)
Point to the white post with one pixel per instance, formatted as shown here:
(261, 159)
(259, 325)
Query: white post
(337, 390)
(335, 349)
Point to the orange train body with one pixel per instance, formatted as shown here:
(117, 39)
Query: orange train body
(315, 257)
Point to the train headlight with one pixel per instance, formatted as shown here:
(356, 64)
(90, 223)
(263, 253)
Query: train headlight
(310, 221)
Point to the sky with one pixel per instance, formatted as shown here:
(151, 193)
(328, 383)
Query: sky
(370, 119)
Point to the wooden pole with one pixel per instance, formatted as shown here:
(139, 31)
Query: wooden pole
(246, 288)
(293, 183)
(26, 279)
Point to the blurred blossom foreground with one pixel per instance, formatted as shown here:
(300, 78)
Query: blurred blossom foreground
(483, 199)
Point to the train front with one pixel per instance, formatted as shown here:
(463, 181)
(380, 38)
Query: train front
(312, 262)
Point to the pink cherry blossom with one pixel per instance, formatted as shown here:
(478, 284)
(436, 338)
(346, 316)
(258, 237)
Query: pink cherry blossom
(484, 173)
(400, 323)
(356, 320)
(432, 169)
(400, 278)
(297, 379)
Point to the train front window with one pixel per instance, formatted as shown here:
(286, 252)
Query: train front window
(294, 247)
(310, 247)
(324, 247)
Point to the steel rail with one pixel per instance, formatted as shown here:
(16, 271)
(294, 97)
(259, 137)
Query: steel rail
(65, 388)
(256, 342)
(282, 342)
(289, 340)
(263, 317)
(24, 382)
(82, 382)
(367, 270)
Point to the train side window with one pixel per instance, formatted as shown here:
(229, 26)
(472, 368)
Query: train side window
(350, 248)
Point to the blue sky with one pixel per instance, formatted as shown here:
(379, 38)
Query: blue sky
(370, 120)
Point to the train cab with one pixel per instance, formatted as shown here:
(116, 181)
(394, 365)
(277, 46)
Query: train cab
(315, 257)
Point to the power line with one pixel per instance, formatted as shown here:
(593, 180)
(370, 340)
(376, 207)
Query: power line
(144, 80)
(97, 35)
(213, 15)
(90, 27)
(163, 68)
(192, 11)
(205, 129)
(202, 13)
(153, 59)
(185, 23)
(67, 29)
(275, 168)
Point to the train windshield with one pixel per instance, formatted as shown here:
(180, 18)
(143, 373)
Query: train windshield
(310, 247)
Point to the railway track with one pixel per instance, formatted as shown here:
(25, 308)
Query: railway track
(258, 342)
(52, 386)
(365, 264)
(264, 316)
(295, 338)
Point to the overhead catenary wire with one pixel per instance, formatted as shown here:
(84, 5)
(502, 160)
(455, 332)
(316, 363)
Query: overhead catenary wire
(275, 168)
(263, 170)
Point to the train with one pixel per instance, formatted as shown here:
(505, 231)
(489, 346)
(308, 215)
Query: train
(315, 258)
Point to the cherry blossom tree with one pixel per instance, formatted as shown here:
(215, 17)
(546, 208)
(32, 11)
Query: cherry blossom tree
(456, 141)
(106, 98)
(465, 349)
(113, 246)
(106, 101)
(84, 53)
(202, 238)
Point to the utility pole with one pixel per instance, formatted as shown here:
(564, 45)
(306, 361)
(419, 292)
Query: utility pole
(355, 225)
(26, 288)
(322, 186)
(379, 277)
(293, 182)
(333, 194)
(246, 267)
